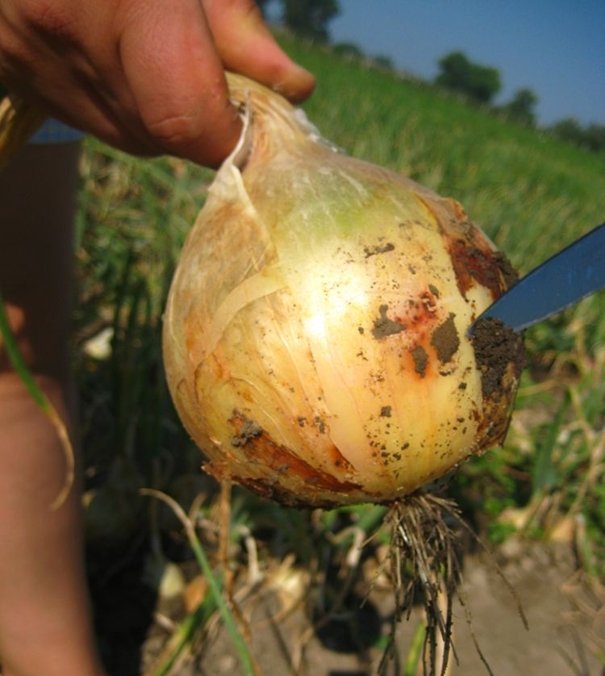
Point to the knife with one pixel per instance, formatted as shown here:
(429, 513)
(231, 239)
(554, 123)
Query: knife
(567, 277)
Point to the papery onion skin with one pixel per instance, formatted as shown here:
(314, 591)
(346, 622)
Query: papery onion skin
(315, 336)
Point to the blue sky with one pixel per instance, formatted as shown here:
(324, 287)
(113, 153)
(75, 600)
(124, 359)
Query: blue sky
(554, 47)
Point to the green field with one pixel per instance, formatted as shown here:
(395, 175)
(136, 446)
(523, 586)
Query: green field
(530, 193)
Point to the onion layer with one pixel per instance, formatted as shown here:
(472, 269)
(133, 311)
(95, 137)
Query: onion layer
(315, 336)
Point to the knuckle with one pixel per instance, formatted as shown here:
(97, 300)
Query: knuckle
(173, 130)
(49, 18)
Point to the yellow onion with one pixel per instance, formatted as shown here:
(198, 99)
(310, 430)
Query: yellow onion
(315, 336)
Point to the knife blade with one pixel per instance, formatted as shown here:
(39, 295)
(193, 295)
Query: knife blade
(575, 272)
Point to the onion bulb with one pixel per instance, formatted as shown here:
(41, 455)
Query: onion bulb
(316, 332)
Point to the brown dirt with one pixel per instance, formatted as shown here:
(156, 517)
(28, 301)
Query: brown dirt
(384, 326)
(509, 273)
(445, 340)
(496, 346)
(421, 360)
(560, 639)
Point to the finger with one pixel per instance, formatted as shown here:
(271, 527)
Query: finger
(65, 81)
(246, 46)
(177, 81)
(88, 112)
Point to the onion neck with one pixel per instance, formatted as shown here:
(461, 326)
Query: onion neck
(273, 123)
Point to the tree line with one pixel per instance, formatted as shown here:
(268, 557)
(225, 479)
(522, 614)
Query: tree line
(482, 83)
(457, 73)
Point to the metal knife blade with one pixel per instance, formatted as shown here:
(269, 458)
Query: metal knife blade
(567, 277)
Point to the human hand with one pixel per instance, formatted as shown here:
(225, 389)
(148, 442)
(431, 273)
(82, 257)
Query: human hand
(146, 76)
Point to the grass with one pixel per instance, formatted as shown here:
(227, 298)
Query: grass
(532, 194)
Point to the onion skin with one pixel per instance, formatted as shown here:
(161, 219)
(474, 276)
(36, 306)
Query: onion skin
(315, 335)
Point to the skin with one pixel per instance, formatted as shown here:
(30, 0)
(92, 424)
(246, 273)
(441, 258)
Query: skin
(143, 75)
(146, 76)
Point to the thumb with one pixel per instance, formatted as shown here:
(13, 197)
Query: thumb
(246, 46)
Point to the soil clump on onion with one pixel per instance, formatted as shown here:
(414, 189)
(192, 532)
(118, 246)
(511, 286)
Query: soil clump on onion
(445, 340)
(496, 346)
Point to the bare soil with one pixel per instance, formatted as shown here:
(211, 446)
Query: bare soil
(564, 611)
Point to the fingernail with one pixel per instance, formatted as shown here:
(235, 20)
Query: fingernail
(297, 85)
